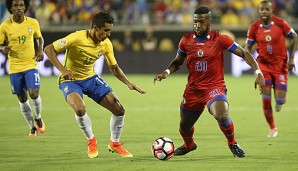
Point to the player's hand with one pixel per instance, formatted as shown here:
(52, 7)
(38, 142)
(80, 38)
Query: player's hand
(6, 49)
(132, 86)
(291, 64)
(68, 75)
(260, 82)
(39, 56)
(160, 77)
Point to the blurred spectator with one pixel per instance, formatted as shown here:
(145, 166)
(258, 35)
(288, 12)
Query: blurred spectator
(154, 12)
(149, 43)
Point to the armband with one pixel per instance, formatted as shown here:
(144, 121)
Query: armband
(168, 71)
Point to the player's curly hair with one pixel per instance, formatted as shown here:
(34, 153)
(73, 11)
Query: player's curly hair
(101, 18)
(9, 4)
(202, 10)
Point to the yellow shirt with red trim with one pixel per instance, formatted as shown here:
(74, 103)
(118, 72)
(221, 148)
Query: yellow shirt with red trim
(20, 36)
(81, 53)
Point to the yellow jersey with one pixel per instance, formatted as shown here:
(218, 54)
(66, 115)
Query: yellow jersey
(20, 36)
(81, 53)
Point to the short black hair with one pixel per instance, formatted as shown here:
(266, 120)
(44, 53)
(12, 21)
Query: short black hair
(9, 4)
(101, 18)
(202, 10)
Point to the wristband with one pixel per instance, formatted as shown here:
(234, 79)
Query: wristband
(258, 71)
(167, 71)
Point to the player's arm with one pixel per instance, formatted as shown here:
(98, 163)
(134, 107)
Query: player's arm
(250, 60)
(118, 73)
(293, 47)
(52, 55)
(39, 53)
(173, 67)
(249, 47)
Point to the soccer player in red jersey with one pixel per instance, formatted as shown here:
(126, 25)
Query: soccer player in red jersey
(203, 50)
(269, 33)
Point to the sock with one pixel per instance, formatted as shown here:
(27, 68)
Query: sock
(280, 100)
(37, 105)
(267, 109)
(116, 126)
(187, 136)
(227, 128)
(26, 112)
(85, 125)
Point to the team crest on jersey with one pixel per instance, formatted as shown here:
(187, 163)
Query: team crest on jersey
(268, 38)
(200, 53)
(100, 54)
(183, 100)
(62, 42)
(30, 30)
(65, 89)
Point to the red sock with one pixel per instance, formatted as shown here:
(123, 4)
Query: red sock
(188, 138)
(227, 128)
(267, 109)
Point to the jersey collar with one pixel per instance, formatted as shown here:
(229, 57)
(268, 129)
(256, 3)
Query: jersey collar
(271, 24)
(201, 39)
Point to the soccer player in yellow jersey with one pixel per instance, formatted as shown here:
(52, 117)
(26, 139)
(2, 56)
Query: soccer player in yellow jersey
(77, 77)
(17, 36)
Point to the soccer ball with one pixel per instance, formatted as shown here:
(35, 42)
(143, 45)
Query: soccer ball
(163, 148)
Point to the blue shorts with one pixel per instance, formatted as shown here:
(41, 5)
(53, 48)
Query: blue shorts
(22, 81)
(94, 87)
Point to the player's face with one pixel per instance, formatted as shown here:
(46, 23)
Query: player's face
(201, 24)
(265, 11)
(104, 32)
(18, 8)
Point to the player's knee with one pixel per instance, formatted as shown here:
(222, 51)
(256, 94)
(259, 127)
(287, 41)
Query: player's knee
(80, 111)
(33, 93)
(221, 117)
(120, 111)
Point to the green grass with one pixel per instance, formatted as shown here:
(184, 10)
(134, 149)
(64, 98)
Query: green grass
(63, 147)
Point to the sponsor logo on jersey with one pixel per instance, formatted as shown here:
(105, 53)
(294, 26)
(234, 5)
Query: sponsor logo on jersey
(62, 42)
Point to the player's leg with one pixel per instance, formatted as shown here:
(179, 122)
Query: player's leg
(186, 130)
(280, 90)
(73, 95)
(219, 107)
(111, 102)
(266, 103)
(32, 79)
(19, 88)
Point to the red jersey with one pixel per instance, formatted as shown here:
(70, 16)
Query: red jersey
(204, 59)
(271, 44)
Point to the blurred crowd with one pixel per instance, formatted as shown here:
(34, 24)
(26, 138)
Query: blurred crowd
(232, 13)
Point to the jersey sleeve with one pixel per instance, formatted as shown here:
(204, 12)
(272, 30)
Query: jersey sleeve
(287, 29)
(251, 38)
(109, 53)
(2, 34)
(62, 44)
(37, 32)
(228, 43)
(181, 47)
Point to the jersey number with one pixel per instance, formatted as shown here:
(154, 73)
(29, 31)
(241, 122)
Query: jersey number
(201, 66)
(22, 39)
(37, 78)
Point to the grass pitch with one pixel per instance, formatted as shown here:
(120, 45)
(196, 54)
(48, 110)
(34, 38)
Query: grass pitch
(63, 147)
